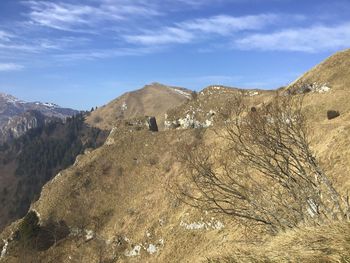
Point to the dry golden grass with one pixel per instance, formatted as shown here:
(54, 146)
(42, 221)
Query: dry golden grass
(126, 186)
(334, 72)
(152, 100)
(326, 243)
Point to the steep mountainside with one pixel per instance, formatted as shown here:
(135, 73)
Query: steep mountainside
(152, 100)
(28, 162)
(118, 203)
(17, 117)
(333, 73)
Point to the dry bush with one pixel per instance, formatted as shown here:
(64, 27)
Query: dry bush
(97, 119)
(153, 160)
(266, 173)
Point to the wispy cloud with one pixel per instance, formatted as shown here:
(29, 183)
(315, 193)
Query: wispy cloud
(57, 30)
(311, 39)
(10, 67)
(224, 24)
(167, 35)
(188, 31)
(4, 36)
(94, 54)
(20, 44)
(81, 17)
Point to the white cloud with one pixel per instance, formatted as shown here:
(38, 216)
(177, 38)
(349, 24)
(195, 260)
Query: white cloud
(167, 35)
(224, 24)
(4, 36)
(311, 39)
(94, 54)
(77, 17)
(10, 67)
(188, 31)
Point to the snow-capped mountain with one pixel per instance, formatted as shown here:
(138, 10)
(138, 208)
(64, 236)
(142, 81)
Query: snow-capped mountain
(18, 116)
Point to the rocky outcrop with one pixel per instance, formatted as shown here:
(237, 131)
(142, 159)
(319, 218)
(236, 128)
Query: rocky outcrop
(332, 114)
(19, 125)
(190, 122)
(307, 88)
(136, 124)
(152, 124)
(141, 123)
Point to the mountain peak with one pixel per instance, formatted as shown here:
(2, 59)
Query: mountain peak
(333, 72)
(9, 98)
(154, 99)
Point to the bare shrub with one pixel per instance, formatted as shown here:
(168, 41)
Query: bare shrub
(194, 95)
(266, 172)
(153, 160)
(97, 119)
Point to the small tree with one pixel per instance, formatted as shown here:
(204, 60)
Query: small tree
(266, 172)
(194, 95)
(29, 227)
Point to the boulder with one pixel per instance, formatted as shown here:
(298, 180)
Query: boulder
(152, 124)
(332, 114)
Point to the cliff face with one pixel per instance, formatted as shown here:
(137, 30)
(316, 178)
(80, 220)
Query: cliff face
(17, 117)
(20, 124)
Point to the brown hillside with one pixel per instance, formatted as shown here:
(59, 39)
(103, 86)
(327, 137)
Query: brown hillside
(119, 192)
(334, 72)
(119, 205)
(152, 100)
(203, 109)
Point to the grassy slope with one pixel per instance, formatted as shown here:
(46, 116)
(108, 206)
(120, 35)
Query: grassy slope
(121, 190)
(23, 172)
(334, 71)
(152, 100)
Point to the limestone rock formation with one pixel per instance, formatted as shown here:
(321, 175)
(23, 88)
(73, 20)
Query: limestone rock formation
(17, 116)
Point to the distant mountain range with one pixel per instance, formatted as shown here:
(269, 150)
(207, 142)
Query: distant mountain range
(17, 116)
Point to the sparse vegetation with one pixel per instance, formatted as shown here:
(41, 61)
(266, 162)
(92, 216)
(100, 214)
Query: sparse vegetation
(263, 194)
(194, 95)
(153, 160)
(29, 227)
(329, 243)
(97, 119)
(41, 153)
(266, 174)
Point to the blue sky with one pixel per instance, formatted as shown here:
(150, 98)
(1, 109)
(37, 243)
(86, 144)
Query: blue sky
(83, 53)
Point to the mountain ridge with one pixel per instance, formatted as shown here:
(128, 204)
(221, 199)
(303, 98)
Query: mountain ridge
(118, 200)
(18, 116)
(154, 99)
